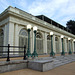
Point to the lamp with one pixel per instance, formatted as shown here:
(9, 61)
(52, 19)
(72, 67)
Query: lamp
(28, 54)
(29, 26)
(34, 54)
(69, 39)
(62, 36)
(51, 33)
(74, 40)
(34, 28)
(52, 52)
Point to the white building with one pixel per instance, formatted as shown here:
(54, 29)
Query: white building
(13, 31)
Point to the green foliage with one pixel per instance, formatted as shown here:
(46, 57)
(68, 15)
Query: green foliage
(71, 25)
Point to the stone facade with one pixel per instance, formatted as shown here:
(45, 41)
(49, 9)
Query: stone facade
(13, 26)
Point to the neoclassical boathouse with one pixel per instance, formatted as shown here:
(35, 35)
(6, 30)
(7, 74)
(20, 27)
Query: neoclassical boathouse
(13, 31)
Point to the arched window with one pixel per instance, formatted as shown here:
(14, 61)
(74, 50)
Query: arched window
(23, 39)
(39, 43)
(48, 43)
(1, 41)
(57, 44)
(48, 37)
(38, 35)
(56, 38)
(23, 32)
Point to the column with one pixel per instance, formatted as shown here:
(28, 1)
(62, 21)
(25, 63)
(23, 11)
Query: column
(11, 35)
(72, 46)
(65, 45)
(16, 38)
(45, 43)
(32, 41)
(60, 44)
(54, 46)
(5, 43)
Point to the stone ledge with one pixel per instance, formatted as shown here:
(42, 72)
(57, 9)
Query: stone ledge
(41, 65)
(12, 65)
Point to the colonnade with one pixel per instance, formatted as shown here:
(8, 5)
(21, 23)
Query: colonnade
(11, 36)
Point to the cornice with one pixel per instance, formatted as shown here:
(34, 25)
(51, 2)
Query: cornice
(23, 15)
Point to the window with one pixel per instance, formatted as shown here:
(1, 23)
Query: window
(48, 43)
(39, 43)
(56, 38)
(23, 32)
(57, 44)
(23, 39)
(48, 37)
(38, 35)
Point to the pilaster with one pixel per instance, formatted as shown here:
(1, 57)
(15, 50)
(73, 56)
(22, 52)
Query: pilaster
(16, 38)
(32, 41)
(72, 46)
(65, 45)
(11, 35)
(54, 46)
(60, 44)
(45, 42)
(6, 27)
(5, 43)
(16, 35)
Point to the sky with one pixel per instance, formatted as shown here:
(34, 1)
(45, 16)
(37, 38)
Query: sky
(60, 11)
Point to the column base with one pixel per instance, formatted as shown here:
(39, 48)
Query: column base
(34, 54)
(52, 54)
(28, 55)
(70, 52)
(8, 59)
(62, 53)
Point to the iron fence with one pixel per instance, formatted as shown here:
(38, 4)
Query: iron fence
(12, 52)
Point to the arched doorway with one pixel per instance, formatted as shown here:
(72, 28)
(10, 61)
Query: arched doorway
(57, 44)
(48, 44)
(39, 43)
(1, 41)
(23, 37)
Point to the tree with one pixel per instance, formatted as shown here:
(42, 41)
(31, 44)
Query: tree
(71, 25)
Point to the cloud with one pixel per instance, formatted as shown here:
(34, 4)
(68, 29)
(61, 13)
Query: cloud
(20, 3)
(46, 6)
(15, 3)
(58, 10)
(3, 5)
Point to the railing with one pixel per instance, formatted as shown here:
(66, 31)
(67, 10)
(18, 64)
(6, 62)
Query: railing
(12, 51)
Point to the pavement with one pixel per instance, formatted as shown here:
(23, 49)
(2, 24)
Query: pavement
(68, 69)
(17, 58)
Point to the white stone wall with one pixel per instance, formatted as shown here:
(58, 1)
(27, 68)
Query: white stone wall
(13, 24)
